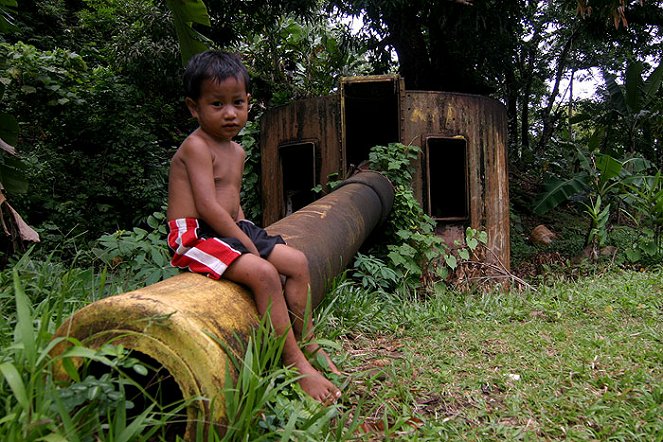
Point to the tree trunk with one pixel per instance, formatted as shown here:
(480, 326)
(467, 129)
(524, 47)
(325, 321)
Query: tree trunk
(548, 119)
(528, 75)
(512, 109)
(408, 41)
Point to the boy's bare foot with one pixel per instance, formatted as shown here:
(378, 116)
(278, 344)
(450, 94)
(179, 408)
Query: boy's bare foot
(317, 352)
(316, 385)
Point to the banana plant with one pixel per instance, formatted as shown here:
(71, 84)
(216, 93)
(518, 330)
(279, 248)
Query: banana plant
(631, 104)
(599, 174)
(599, 215)
(601, 179)
(645, 209)
(186, 13)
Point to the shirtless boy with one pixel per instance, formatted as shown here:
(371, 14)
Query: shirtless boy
(208, 232)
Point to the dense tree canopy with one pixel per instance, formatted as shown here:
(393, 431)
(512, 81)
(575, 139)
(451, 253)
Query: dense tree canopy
(94, 84)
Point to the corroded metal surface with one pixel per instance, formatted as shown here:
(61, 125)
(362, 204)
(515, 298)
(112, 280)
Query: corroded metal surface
(315, 120)
(481, 121)
(330, 230)
(420, 115)
(179, 323)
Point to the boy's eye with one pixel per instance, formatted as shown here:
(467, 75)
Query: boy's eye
(239, 102)
(217, 103)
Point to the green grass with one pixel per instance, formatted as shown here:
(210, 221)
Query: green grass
(574, 360)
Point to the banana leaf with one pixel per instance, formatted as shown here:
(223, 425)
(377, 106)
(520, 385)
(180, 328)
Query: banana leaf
(559, 191)
(607, 167)
(633, 86)
(186, 13)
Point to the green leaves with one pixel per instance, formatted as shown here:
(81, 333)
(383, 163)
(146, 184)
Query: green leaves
(264, 401)
(7, 8)
(187, 13)
(15, 382)
(139, 256)
(8, 130)
(12, 169)
(558, 191)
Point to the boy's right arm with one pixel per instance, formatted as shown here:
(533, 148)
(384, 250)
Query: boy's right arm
(198, 162)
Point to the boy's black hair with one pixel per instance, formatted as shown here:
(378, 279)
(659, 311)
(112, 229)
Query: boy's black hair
(212, 65)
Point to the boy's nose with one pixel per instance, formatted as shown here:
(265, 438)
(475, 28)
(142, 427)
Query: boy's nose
(229, 113)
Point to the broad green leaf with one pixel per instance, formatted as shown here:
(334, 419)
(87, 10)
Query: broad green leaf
(608, 167)
(451, 261)
(559, 191)
(24, 333)
(185, 14)
(472, 243)
(15, 382)
(653, 82)
(8, 128)
(636, 165)
(615, 93)
(594, 141)
(633, 87)
(633, 255)
(12, 174)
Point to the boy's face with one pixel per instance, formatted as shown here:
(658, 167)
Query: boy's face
(222, 108)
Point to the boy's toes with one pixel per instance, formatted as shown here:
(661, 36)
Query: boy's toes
(331, 397)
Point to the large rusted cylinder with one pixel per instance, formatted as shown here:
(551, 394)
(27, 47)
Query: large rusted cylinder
(184, 325)
(330, 230)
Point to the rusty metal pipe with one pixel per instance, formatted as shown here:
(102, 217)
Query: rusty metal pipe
(180, 323)
(330, 230)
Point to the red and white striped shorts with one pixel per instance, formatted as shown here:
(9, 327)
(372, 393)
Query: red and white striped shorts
(195, 245)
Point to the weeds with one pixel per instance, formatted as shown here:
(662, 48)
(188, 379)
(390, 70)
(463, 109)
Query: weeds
(265, 401)
(93, 406)
(577, 360)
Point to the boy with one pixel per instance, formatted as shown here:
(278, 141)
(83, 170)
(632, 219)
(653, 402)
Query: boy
(208, 232)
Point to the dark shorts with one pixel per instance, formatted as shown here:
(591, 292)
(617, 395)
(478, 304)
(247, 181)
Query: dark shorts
(264, 242)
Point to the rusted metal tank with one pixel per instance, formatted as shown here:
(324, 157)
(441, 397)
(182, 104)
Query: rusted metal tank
(461, 178)
(184, 325)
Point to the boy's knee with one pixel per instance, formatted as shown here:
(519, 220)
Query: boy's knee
(266, 273)
(300, 259)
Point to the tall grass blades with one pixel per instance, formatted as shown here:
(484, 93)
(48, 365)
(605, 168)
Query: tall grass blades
(264, 401)
(90, 406)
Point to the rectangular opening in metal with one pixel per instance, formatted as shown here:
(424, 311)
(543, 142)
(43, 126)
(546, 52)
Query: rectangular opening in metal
(300, 166)
(446, 174)
(371, 116)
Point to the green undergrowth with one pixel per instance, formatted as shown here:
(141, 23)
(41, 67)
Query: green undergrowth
(574, 358)
(578, 360)
(577, 356)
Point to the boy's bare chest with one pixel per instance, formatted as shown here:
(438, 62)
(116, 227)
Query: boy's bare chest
(227, 170)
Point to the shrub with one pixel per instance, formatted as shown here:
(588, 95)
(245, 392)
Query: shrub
(96, 151)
